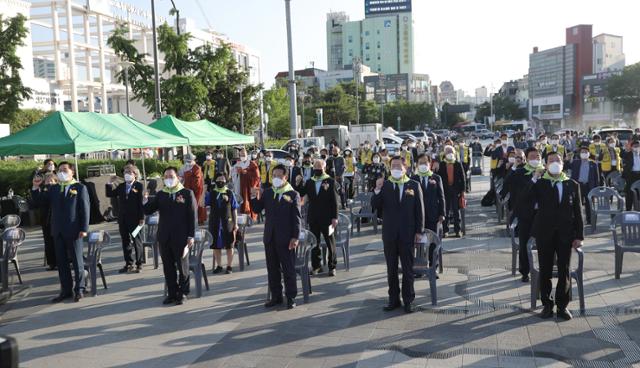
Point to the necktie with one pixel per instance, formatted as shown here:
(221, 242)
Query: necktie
(396, 191)
(557, 191)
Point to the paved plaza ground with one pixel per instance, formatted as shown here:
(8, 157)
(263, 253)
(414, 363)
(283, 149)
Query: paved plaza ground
(483, 318)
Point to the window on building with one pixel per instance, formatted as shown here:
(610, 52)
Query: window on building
(378, 56)
(378, 31)
(378, 44)
(366, 33)
(350, 52)
(350, 39)
(366, 46)
(367, 58)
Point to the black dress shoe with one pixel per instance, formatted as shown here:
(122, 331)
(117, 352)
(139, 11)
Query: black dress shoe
(217, 270)
(408, 308)
(563, 313)
(457, 235)
(126, 269)
(60, 298)
(291, 303)
(169, 300)
(391, 306)
(525, 278)
(139, 268)
(52, 268)
(547, 312)
(273, 302)
(229, 270)
(78, 296)
(181, 300)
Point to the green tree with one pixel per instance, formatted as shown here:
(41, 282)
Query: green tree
(447, 118)
(25, 117)
(625, 88)
(202, 83)
(12, 91)
(276, 106)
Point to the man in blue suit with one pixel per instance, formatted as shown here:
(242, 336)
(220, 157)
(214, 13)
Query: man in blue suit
(585, 172)
(69, 203)
(282, 226)
(400, 200)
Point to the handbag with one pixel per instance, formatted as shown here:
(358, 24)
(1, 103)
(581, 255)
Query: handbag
(462, 201)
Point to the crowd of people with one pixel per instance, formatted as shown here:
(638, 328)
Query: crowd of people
(420, 186)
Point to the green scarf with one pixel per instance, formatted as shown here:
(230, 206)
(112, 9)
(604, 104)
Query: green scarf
(173, 190)
(220, 191)
(554, 181)
(285, 188)
(321, 177)
(530, 169)
(449, 161)
(427, 174)
(402, 180)
(67, 184)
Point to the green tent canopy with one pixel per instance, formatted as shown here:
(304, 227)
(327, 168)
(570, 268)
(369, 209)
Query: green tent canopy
(83, 132)
(201, 132)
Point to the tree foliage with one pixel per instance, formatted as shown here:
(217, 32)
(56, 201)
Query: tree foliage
(625, 88)
(200, 83)
(12, 91)
(504, 108)
(25, 117)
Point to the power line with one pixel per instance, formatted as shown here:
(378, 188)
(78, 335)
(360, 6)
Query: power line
(204, 14)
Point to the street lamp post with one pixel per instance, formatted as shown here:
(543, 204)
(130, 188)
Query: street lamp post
(356, 73)
(158, 106)
(303, 96)
(293, 112)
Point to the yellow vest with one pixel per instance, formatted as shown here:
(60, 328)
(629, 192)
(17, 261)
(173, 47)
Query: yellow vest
(560, 149)
(365, 157)
(386, 160)
(209, 168)
(262, 165)
(607, 165)
(606, 157)
(349, 165)
(407, 156)
(465, 155)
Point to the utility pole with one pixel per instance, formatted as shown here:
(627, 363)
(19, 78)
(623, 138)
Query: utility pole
(293, 111)
(158, 113)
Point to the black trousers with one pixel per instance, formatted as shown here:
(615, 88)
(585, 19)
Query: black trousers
(552, 248)
(348, 188)
(453, 206)
(281, 262)
(173, 262)
(130, 245)
(66, 249)
(630, 178)
(316, 252)
(393, 251)
(524, 234)
(49, 246)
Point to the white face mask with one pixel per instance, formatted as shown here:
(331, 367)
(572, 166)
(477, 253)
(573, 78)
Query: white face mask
(544, 141)
(612, 145)
(534, 163)
(209, 157)
(51, 167)
(584, 155)
(170, 182)
(129, 178)
(243, 158)
(555, 168)
(278, 182)
(423, 168)
(554, 141)
(396, 173)
(218, 156)
(450, 156)
(512, 160)
(376, 160)
(63, 176)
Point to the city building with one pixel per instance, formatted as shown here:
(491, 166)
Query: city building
(435, 95)
(306, 78)
(599, 110)
(522, 96)
(556, 76)
(397, 87)
(509, 90)
(482, 95)
(73, 69)
(448, 93)
(607, 53)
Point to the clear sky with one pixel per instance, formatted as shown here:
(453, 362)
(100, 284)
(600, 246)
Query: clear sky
(471, 43)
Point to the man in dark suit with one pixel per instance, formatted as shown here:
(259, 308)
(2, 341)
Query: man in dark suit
(523, 209)
(558, 228)
(294, 173)
(453, 180)
(585, 172)
(402, 206)
(69, 203)
(130, 215)
(631, 171)
(281, 231)
(323, 199)
(178, 211)
(433, 196)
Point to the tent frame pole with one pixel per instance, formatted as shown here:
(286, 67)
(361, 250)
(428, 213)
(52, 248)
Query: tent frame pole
(75, 157)
(144, 172)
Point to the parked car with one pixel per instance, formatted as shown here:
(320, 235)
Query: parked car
(420, 134)
(442, 132)
(484, 134)
(278, 155)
